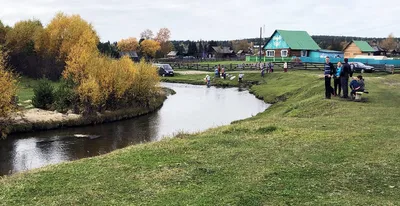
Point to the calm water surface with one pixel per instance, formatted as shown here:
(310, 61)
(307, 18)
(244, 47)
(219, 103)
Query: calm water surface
(191, 109)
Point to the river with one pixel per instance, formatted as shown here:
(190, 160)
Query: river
(191, 109)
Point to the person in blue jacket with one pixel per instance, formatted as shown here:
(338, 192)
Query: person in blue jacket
(336, 79)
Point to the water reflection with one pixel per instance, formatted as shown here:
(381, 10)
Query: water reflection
(192, 109)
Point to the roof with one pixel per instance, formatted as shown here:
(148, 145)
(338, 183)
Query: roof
(330, 51)
(223, 50)
(131, 54)
(172, 53)
(298, 40)
(378, 48)
(362, 45)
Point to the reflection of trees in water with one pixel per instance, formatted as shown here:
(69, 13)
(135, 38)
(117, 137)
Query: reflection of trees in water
(6, 159)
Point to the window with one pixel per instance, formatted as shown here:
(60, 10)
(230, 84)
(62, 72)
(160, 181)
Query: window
(284, 53)
(304, 53)
(270, 53)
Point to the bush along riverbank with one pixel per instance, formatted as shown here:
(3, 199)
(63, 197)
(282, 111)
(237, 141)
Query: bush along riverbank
(304, 150)
(37, 120)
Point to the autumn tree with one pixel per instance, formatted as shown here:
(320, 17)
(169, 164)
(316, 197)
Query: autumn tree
(58, 38)
(21, 38)
(149, 48)
(147, 34)
(240, 45)
(7, 93)
(20, 41)
(163, 36)
(389, 43)
(3, 33)
(127, 45)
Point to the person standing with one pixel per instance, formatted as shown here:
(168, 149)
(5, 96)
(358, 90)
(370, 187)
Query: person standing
(219, 70)
(328, 72)
(336, 79)
(285, 67)
(223, 72)
(208, 80)
(344, 78)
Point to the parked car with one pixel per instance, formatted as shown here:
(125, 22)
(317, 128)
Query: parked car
(360, 67)
(165, 70)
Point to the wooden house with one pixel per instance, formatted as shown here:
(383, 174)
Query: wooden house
(131, 54)
(173, 54)
(379, 51)
(223, 52)
(356, 48)
(285, 43)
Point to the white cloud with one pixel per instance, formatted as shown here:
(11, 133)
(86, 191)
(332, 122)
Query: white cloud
(216, 19)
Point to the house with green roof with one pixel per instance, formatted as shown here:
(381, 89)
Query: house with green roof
(356, 48)
(284, 43)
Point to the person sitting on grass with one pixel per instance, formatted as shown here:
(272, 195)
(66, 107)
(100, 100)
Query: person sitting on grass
(357, 85)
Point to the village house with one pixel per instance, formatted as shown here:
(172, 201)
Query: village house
(285, 43)
(223, 52)
(131, 54)
(358, 48)
(172, 54)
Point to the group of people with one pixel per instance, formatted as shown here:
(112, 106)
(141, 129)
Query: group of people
(269, 68)
(220, 72)
(341, 74)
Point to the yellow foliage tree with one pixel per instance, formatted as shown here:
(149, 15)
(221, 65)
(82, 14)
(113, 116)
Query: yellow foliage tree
(150, 47)
(7, 93)
(127, 45)
(22, 36)
(3, 33)
(63, 33)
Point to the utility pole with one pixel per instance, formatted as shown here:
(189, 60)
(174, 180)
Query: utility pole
(260, 43)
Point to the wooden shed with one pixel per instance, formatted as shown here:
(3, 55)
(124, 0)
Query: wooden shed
(355, 48)
(290, 43)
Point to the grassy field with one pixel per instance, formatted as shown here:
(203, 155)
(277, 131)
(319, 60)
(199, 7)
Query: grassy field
(304, 150)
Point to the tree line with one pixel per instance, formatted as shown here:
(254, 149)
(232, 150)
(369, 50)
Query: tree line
(68, 49)
(197, 48)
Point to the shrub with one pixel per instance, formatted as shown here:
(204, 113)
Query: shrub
(43, 94)
(64, 97)
(8, 90)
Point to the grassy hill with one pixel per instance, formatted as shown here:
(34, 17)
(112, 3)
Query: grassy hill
(304, 150)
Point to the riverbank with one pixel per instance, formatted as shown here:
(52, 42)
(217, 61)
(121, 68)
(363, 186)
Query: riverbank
(250, 78)
(28, 120)
(304, 150)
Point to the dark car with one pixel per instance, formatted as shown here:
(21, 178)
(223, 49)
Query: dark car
(360, 67)
(165, 70)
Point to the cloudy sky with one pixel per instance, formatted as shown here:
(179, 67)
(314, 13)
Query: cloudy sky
(216, 19)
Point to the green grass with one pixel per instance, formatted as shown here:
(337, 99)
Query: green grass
(25, 90)
(304, 150)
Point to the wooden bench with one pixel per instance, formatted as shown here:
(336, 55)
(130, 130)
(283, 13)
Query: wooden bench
(358, 96)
